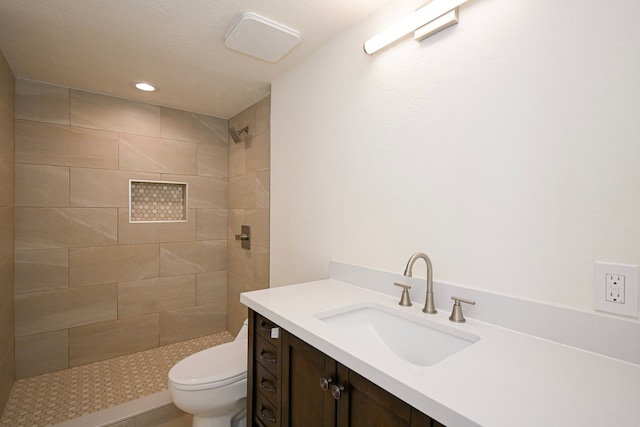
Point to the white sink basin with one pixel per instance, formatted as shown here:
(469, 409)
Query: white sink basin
(416, 340)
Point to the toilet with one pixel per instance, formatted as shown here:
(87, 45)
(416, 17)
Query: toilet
(212, 384)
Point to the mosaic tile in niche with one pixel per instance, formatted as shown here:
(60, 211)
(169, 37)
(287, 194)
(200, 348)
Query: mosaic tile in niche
(152, 201)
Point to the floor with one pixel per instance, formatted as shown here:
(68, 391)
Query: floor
(59, 396)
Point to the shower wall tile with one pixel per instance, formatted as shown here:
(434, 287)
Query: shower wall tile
(40, 185)
(258, 219)
(192, 322)
(156, 295)
(213, 160)
(42, 228)
(106, 340)
(7, 154)
(186, 126)
(131, 233)
(257, 155)
(204, 192)
(237, 159)
(249, 193)
(242, 192)
(6, 253)
(192, 257)
(165, 416)
(42, 102)
(149, 154)
(30, 348)
(103, 188)
(263, 115)
(41, 270)
(111, 264)
(211, 287)
(263, 186)
(46, 144)
(55, 310)
(212, 224)
(6, 326)
(94, 111)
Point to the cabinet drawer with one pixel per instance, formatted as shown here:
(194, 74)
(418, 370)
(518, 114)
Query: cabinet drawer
(266, 412)
(264, 328)
(267, 355)
(267, 384)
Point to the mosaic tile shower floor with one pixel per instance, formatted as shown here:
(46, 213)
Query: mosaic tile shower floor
(59, 396)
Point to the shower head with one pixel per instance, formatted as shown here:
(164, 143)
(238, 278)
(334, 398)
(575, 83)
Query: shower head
(235, 135)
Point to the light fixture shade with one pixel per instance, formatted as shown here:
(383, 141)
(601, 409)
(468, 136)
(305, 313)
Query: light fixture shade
(419, 18)
(144, 86)
(261, 38)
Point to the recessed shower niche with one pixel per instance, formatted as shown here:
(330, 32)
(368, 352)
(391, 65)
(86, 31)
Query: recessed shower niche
(157, 201)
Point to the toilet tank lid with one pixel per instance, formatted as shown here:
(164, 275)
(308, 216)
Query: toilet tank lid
(217, 364)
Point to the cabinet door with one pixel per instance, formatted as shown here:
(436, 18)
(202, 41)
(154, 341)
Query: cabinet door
(364, 404)
(304, 402)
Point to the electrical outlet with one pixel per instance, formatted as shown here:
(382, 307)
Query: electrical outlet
(616, 288)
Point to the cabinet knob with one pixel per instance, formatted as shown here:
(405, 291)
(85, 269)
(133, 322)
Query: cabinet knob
(336, 391)
(324, 383)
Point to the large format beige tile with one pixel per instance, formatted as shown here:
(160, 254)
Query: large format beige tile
(212, 224)
(206, 192)
(7, 376)
(41, 353)
(241, 260)
(54, 310)
(57, 145)
(42, 228)
(129, 233)
(261, 265)
(158, 417)
(192, 257)
(103, 188)
(42, 102)
(6, 252)
(192, 322)
(149, 154)
(242, 192)
(263, 190)
(211, 286)
(94, 111)
(258, 153)
(237, 159)
(258, 220)
(213, 160)
(6, 326)
(263, 115)
(156, 295)
(41, 270)
(7, 154)
(193, 127)
(110, 264)
(40, 185)
(106, 340)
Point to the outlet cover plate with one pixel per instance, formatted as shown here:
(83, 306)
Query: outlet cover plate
(630, 272)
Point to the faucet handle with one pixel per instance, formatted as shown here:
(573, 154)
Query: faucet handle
(405, 300)
(456, 313)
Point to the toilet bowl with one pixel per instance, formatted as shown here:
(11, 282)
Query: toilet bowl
(212, 384)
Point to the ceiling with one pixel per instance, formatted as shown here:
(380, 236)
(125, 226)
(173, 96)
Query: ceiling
(104, 45)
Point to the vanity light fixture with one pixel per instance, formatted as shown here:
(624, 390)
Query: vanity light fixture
(427, 16)
(144, 86)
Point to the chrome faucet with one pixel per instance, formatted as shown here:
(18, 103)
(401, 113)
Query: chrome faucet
(429, 305)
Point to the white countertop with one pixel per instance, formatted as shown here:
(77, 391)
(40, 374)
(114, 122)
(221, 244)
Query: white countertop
(506, 379)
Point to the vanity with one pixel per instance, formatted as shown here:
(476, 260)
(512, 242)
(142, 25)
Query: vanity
(312, 363)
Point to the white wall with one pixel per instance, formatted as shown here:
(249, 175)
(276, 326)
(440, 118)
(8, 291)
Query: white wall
(506, 147)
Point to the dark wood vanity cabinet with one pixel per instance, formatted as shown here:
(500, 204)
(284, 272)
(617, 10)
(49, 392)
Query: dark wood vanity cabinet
(307, 388)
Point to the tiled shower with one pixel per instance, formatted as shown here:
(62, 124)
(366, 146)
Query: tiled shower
(89, 285)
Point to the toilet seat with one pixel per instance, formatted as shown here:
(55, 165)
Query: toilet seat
(211, 368)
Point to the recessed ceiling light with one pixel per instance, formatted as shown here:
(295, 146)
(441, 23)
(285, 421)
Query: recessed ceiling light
(147, 87)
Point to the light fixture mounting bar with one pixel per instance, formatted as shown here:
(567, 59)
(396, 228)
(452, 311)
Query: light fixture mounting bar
(411, 23)
(445, 21)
